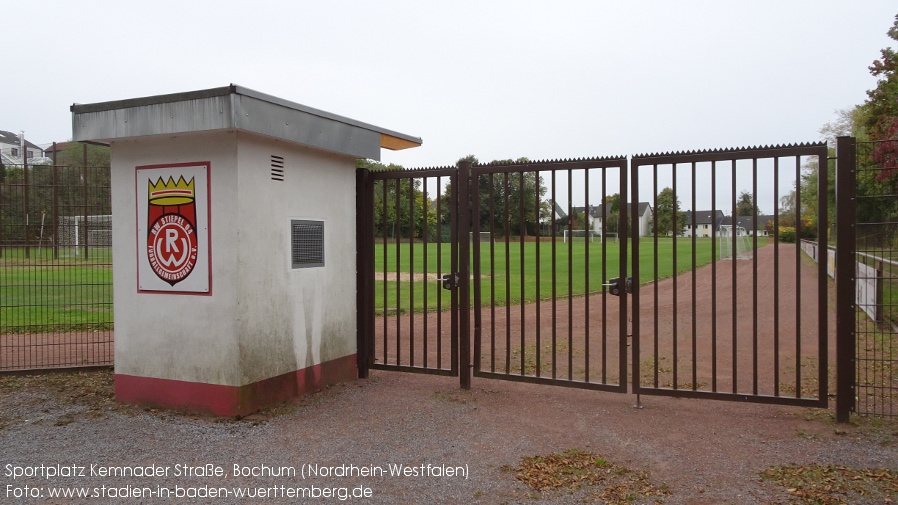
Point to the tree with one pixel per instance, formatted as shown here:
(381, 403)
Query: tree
(668, 210)
(73, 155)
(400, 206)
(879, 113)
(745, 206)
(514, 190)
(880, 110)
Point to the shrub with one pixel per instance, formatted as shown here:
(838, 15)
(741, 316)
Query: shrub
(787, 234)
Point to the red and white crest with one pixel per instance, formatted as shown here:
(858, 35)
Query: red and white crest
(173, 235)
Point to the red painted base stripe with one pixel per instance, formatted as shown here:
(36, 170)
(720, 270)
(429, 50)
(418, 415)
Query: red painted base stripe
(232, 400)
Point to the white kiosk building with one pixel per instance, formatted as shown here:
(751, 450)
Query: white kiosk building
(234, 255)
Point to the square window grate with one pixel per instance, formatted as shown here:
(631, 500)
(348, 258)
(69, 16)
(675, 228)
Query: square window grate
(307, 243)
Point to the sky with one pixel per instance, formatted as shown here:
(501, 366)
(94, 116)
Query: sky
(497, 79)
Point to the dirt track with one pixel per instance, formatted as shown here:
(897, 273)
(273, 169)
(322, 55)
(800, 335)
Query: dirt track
(580, 338)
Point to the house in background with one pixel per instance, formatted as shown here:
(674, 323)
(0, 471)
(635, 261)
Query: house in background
(58, 148)
(643, 215)
(701, 222)
(14, 150)
(747, 223)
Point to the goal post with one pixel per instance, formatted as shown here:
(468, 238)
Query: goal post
(77, 232)
(579, 235)
(733, 243)
(484, 236)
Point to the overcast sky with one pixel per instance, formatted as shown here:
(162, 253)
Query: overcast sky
(500, 80)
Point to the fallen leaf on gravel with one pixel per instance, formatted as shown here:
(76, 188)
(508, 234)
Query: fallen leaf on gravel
(575, 469)
(832, 484)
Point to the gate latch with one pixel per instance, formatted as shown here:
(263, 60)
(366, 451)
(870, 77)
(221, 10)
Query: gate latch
(450, 281)
(614, 285)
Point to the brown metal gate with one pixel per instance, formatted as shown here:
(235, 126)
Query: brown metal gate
(542, 269)
(408, 240)
(541, 249)
(419, 235)
(752, 326)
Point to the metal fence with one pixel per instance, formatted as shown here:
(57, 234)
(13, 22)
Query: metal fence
(55, 267)
(876, 235)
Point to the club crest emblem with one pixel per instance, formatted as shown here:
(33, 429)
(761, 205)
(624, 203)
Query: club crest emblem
(171, 228)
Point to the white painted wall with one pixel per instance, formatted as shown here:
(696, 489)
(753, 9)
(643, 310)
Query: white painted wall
(263, 319)
(289, 319)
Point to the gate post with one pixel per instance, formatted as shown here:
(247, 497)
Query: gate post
(463, 207)
(364, 212)
(846, 252)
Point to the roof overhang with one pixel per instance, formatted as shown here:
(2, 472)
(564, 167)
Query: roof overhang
(229, 108)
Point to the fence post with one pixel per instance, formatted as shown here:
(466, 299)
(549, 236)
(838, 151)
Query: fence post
(463, 207)
(55, 205)
(846, 252)
(2, 183)
(25, 203)
(84, 224)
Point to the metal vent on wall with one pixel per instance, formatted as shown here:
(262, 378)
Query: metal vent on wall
(277, 168)
(307, 243)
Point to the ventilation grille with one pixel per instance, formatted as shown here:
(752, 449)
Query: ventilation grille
(307, 242)
(277, 168)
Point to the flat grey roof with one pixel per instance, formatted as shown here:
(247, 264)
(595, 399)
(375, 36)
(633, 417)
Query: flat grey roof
(233, 107)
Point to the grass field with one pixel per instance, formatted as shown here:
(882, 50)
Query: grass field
(40, 293)
(502, 275)
(43, 294)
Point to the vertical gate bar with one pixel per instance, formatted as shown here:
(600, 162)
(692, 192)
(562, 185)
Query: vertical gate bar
(492, 218)
(475, 234)
(846, 249)
(570, 275)
(674, 230)
(506, 230)
(822, 275)
(464, 290)
(714, 225)
(521, 232)
(655, 275)
(440, 271)
(455, 205)
(411, 272)
(369, 273)
(536, 209)
(733, 290)
(554, 276)
(694, 313)
(798, 228)
(622, 254)
(604, 217)
(588, 233)
(385, 232)
(425, 337)
(397, 232)
(776, 278)
(754, 276)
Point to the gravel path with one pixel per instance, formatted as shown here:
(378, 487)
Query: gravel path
(704, 451)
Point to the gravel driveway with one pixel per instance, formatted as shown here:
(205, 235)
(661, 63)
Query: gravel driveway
(703, 451)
